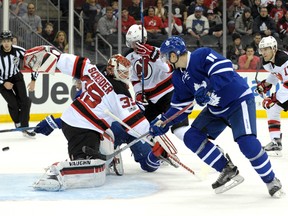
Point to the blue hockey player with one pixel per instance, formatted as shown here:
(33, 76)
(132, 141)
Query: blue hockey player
(209, 78)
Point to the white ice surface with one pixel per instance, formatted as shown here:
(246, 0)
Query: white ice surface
(168, 191)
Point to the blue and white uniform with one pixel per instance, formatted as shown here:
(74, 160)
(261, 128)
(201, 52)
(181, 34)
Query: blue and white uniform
(232, 104)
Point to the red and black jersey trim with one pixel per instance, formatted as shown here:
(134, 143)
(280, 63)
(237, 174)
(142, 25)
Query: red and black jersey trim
(82, 170)
(134, 119)
(160, 88)
(83, 110)
(78, 67)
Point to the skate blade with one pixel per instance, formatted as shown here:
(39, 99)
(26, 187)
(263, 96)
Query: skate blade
(274, 153)
(279, 194)
(47, 185)
(236, 180)
(169, 160)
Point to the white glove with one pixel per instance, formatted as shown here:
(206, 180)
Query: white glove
(41, 59)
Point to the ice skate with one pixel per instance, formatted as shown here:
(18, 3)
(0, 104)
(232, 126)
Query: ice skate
(275, 188)
(274, 148)
(29, 134)
(228, 178)
(48, 182)
(165, 159)
(116, 165)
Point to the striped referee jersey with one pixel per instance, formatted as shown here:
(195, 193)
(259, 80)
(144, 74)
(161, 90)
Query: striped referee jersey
(10, 63)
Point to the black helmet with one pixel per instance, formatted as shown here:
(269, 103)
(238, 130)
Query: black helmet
(6, 35)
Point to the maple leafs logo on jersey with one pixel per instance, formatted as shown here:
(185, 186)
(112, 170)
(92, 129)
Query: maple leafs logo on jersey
(203, 84)
(214, 99)
(185, 76)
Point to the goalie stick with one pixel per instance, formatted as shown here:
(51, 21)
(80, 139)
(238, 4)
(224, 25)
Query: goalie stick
(89, 150)
(174, 158)
(17, 129)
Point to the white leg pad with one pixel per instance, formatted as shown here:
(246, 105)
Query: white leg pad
(72, 174)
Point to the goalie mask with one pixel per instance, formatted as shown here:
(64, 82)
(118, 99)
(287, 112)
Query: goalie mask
(119, 67)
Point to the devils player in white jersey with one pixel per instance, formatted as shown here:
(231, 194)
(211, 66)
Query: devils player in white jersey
(154, 92)
(85, 121)
(276, 62)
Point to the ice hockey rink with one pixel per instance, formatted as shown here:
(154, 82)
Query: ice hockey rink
(168, 191)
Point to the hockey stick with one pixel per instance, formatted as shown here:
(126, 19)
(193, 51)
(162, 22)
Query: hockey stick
(179, 113)
(256, 76)
(149, 141)
(89, 150)
(144, 66)
(257, 69)
(17, 129)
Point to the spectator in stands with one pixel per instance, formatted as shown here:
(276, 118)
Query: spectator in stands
(176, 24)
(197, 25)
(255, 43)
(179, 10)
(127, 20)
(107, 24)
(233, 12)
(19, 8)
(255, 10)
(235, 50)
(277, 11)
(215, 24)
(33, 20)
(60, 40)
(15, 40)
(244, 23)
(153, 24)
(91, 14)
(282, 26)
(48, 32)
(264, 24)
(135, 10)
(249, 60)
(248, 3)
(114, 6)
(160, 9)
(193, 5)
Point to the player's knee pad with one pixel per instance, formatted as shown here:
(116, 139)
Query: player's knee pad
(249, 146)
(194, 138)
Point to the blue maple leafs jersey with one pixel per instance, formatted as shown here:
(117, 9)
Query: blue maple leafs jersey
(206, 67)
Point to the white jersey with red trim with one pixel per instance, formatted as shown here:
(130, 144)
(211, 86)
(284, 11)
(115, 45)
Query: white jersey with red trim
(98, 95)
(279, 71)
(157, 79)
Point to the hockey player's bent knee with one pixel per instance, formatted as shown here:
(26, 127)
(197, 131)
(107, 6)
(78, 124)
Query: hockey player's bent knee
(193, 138)
(249, 145)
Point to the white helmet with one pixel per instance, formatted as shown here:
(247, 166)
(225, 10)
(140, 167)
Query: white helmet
(134, 34)
(119, 67)
(268, 42)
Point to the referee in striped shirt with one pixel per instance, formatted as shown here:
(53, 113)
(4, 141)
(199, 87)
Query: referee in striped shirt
(12, 84)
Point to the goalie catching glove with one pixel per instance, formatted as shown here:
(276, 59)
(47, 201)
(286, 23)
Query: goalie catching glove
(147, 50)
(41, 59)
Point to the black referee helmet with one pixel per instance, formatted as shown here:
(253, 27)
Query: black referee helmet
(6, 35)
